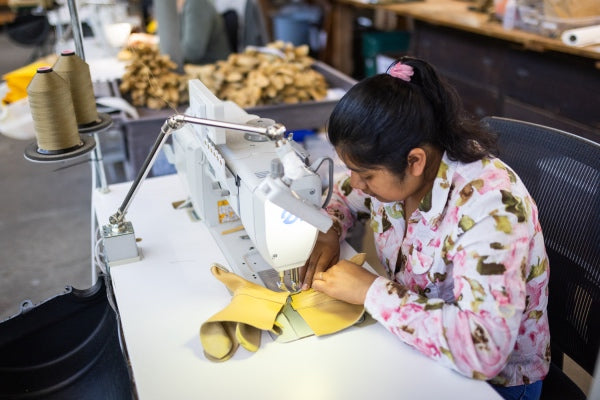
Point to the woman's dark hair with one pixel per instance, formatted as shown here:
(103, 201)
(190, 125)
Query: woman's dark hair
(381, 118)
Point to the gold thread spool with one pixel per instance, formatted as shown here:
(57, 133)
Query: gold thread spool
(77, 73)
(52, 112)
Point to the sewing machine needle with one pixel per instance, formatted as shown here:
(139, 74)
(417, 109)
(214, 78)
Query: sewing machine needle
(281, 283)
(294, 278)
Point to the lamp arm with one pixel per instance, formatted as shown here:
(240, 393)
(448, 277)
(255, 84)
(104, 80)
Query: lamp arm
(272, 132)
(167, 128)
(175, 122)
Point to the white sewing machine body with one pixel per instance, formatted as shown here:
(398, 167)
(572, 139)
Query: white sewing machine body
(228, 175)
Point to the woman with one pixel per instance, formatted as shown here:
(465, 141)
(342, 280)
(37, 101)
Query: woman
(455, 228)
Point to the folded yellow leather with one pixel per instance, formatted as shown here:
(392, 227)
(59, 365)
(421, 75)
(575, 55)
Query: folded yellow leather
(254, 308)
(324, 314)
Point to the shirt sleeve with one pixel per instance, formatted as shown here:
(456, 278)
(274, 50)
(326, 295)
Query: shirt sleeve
(347, 204)
(488, 258)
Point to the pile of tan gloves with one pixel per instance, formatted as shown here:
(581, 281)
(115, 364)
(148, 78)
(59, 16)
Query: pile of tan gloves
(254, 308)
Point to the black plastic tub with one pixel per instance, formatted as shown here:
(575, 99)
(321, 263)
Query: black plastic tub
(64, 348)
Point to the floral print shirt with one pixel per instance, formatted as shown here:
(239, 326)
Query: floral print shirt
(467, 283)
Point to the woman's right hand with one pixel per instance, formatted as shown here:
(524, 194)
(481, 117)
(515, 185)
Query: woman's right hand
(325, 254)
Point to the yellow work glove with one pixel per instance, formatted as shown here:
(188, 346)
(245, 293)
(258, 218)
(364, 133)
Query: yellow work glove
(324, 314)
(252, 309)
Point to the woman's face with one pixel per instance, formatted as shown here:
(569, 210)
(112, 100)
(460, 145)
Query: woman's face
(381, 183)
(386, 186)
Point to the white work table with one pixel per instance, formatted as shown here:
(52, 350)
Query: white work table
(164, 298)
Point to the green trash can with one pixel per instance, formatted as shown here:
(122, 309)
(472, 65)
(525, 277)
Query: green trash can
(377, 42)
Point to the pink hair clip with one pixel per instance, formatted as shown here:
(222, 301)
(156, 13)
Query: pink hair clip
(402, 71)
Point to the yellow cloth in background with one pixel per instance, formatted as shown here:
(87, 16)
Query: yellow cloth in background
(18, 80)
(254, 308)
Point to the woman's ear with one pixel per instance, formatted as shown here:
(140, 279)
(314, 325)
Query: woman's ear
(417, 160)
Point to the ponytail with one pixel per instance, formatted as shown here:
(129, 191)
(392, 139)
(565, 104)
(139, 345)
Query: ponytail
(458, 134)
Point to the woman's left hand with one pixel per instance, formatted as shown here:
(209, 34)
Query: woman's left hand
(345, 281)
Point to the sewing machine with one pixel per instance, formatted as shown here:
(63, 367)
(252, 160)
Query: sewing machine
(247, 181)
(257, 181)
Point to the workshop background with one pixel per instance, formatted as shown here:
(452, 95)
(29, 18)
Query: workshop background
(45, 209)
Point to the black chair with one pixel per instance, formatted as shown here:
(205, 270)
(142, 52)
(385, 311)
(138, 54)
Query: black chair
(562, 174)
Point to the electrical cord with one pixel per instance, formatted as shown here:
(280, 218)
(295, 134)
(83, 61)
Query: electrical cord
(315, 166)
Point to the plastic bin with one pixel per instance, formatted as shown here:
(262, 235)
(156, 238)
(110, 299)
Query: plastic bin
(533, 20)
(377, 42)
(298, 24)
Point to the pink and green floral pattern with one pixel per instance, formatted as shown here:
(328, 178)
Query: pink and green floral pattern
(468, 283)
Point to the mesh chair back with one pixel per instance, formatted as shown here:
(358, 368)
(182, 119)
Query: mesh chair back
(562, 173)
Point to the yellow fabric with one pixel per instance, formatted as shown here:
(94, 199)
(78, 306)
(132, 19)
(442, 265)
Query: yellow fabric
(152, 26)
(248, 336)
(18, 80)
(251, 304)
(218, 340)
(254, 308)
(324, 314)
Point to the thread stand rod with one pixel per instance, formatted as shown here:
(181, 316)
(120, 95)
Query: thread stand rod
(97, 165)
(76, 26)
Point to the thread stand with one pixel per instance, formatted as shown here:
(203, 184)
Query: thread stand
(57, 137)
(34, 154)
(103, 122)
(78, 139)
(96, 156)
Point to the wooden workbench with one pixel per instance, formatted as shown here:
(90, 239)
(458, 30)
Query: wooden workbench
(510, 73)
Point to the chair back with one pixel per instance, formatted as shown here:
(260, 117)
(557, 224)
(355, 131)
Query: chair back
(562, 173)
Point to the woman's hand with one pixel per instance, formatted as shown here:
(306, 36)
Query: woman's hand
(345, 281)
(325, 253)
